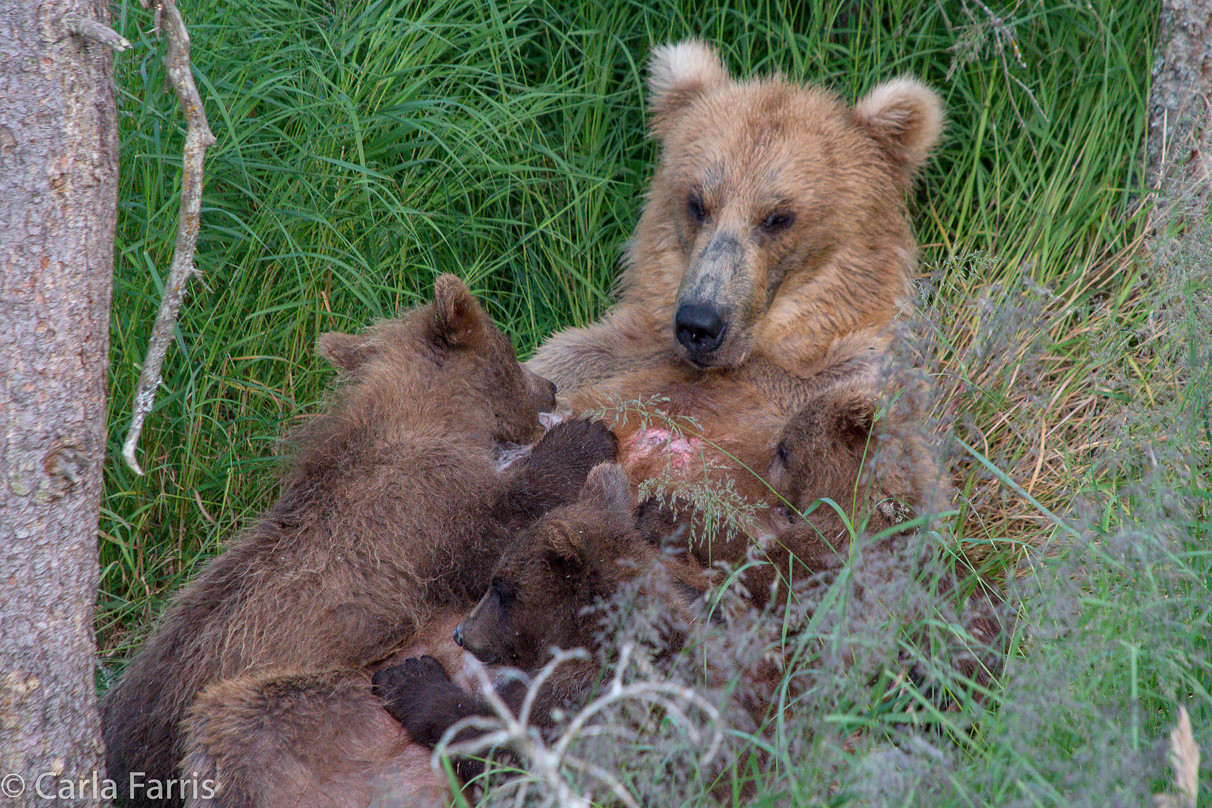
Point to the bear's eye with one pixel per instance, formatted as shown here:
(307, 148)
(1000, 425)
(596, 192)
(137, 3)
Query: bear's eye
(503, 591)
(695, 208)
(777, 221)
(783, 452)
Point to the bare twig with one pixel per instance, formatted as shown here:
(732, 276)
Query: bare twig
(197, 138)
(973, 43)
(548, 765)
(89, 28)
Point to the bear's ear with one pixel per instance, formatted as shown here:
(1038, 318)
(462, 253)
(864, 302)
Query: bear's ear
(348, 352)
(854, 420)
(458, 319)
(609, 488)
(563, 542)
(677, 75)
(906, 118)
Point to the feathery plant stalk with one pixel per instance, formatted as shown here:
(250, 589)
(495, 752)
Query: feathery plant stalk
(366, 146)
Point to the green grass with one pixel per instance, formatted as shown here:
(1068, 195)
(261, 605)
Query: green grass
(366, 146)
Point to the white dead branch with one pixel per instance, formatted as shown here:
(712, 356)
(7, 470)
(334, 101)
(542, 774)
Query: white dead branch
(197, 139)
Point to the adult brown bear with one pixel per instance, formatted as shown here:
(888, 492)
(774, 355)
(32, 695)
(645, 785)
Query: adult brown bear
(772, 253)
(775, 224)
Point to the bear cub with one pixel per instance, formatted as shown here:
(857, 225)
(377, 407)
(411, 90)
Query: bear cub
(883, 477)
(392, 511)
(839, 467)
(572, 560)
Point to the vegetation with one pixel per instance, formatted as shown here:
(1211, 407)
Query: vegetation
(366, 146)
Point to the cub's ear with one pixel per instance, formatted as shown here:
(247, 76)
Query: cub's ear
(458, 319)
(854, 419)
(906, 118)
(609, 488)
(844, 414)
(677, 75)
(347, 352)
(563, 542)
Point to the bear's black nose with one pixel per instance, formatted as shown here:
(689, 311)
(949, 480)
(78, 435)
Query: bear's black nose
(700, 328)
(458, 635)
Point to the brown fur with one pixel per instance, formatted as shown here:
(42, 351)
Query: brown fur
(576, 557)
(582, 555)
(363, 756)
(838, 469)
(780, 210)
(774, 203)
(833, 469)
(318, 738)
(711, 430)
(548, 592)
(883, 470)
(391, 511)
(877, 471)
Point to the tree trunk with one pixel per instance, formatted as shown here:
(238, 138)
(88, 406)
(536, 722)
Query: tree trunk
(1180, 135)
(58, 198)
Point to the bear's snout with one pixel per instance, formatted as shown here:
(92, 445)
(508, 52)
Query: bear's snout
(700, 328)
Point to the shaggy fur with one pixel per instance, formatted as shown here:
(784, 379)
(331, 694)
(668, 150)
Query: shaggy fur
(257, 737)
(773, 250)
(775, 205)
(392, 511)
(578, 556)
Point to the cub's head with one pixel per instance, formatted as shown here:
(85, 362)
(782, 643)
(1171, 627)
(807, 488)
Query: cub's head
(821, 451)
(544, 584)
(447, 355)
(837, 447)
(775, 198)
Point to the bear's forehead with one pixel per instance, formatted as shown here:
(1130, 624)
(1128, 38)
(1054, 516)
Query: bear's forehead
(773, 112)
(732, 138)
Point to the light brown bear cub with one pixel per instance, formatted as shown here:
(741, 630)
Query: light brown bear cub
(392, 513)
(773, 250)
(840, 470)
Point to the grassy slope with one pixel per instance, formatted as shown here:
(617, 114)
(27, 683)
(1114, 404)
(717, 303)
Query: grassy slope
(364, 147)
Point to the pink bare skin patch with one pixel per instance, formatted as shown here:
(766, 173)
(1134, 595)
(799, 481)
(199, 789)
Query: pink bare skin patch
(680, 450)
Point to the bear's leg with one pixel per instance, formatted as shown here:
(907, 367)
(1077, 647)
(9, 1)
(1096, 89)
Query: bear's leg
(317, 739)
(577, 357)
(421, 696)
(554, 472)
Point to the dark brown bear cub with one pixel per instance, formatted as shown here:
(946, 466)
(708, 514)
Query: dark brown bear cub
(392, 511)
(576, 557)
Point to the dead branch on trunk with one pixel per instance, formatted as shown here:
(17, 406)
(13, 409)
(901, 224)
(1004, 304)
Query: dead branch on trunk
(197, 138)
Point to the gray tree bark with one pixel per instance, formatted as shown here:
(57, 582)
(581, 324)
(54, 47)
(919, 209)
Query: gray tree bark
(1179, 151)
(58, 198)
